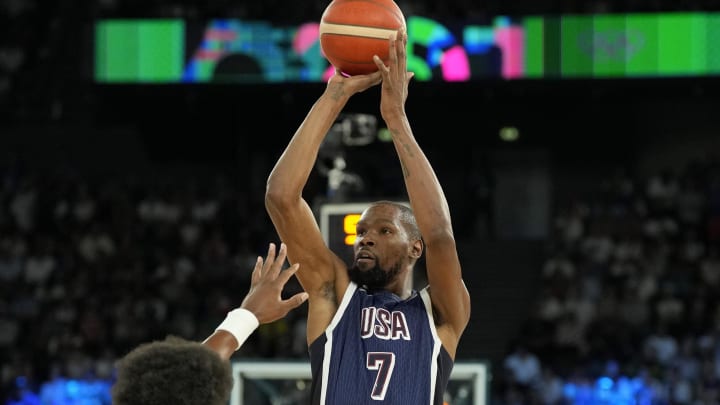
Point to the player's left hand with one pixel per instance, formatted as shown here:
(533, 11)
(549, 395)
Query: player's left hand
(264, 299)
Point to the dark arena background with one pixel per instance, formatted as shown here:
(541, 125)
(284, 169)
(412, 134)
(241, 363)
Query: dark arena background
(577, 143)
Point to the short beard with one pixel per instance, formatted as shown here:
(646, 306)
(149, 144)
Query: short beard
(374, 278)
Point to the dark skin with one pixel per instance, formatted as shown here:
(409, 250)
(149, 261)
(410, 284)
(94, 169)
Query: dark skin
(381, 233)
(264, 299)
(382, 244)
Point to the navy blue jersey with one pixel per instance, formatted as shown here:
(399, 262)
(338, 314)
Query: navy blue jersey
(380, 349)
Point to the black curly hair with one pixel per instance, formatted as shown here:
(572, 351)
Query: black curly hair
(173, 371)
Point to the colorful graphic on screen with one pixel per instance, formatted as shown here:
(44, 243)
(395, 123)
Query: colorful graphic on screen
(568, 46)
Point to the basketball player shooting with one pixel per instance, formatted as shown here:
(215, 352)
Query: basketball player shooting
(372, 337)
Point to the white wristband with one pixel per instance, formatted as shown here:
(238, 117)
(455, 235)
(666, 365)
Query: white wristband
(241, 323)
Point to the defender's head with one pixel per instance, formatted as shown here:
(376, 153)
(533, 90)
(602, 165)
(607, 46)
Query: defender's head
(173, 371)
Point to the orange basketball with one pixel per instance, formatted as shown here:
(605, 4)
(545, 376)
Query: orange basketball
(352, 31)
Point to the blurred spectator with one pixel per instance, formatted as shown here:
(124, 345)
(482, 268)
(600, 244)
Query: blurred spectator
(660, 346)
(10, 265)
(648, 276)
(22, 205)
(522, 368)
(549, 390)
(710, 269)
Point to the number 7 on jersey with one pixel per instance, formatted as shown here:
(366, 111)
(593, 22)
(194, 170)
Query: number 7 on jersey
(383, 362)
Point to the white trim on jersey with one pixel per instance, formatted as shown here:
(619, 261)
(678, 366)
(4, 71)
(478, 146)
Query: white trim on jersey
(329, 333)
(436, 347)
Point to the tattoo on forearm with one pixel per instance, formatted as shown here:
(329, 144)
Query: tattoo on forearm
(408, 150)
(337, 92)
(405, 172)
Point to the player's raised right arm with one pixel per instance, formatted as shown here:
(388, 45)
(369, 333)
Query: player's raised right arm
(291, 215)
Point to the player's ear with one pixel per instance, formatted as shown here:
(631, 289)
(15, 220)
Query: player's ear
(417, 248)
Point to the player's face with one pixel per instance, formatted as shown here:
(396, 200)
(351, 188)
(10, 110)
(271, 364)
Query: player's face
(381, 247)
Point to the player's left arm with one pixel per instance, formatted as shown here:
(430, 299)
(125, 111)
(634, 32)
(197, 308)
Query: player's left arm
(450, 297)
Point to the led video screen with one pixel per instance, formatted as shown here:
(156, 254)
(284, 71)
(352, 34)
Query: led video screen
(535, 47)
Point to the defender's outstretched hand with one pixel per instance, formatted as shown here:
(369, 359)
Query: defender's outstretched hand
(264, 299)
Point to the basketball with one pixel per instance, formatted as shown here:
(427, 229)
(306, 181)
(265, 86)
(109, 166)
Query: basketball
(352, 31)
